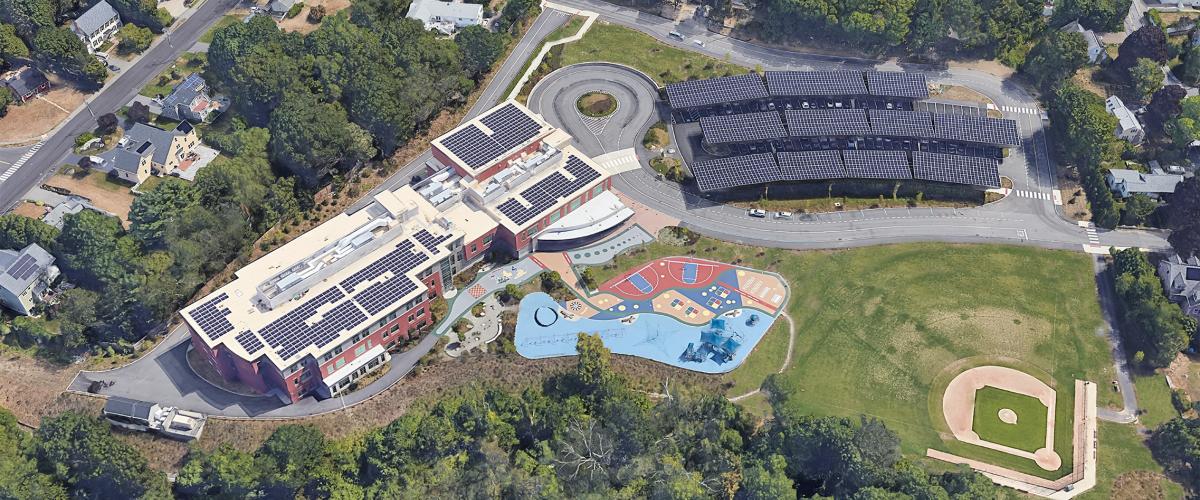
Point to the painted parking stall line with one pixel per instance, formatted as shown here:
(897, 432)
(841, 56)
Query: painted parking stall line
(20, 162)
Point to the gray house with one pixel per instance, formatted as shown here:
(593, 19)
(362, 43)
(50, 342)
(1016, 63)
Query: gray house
(190, 101)
(1126, 183)
(97, 25)
(26, 278)
(1181, 280)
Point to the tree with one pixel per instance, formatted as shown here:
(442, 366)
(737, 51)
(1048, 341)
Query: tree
(27, 16)
(511, 293)
(76, 315)
(17, 232)
(1151, 323)
(225, 474)
(1176, 445)
(135, 39)
(316, 13)
(767, 481)
(1164, 106)
(138, 112)
(1055, 58)
(153, 211)
(11, 45)
(6, 98)
(1137, 210)
(107, 123)
(81, 452)
(292, 457)
(1147, 77)
(143, 13)
(310, 137)
(1148, 42)
(480, 49)
(1183, 218)
(1191, 66)
(514, 11)
(21, 478)
(88, 248)
(1099, 15)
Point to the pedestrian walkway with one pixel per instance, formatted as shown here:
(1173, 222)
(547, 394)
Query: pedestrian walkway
(12, 169)
(1020, 110)
(1037, 195)
(619, 161)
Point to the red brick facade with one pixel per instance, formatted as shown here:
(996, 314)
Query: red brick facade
(444, 159)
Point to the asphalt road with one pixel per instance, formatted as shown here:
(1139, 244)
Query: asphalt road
(116, 94)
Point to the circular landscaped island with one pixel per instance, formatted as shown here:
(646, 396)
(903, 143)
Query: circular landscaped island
(596, 104)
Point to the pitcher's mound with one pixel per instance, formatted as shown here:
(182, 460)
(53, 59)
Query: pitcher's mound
(1008, 416)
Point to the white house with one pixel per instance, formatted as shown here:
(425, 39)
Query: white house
(97, 25)
(1181, 280)
(1126, 183)
(26, 277)
(446, 17)
(1095, 47)
(1128, 127)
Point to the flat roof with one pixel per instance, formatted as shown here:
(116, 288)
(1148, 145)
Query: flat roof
(328, 284)
(568, 174)
(496, 134)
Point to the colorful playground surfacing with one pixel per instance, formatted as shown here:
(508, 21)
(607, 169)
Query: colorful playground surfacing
(690, 313)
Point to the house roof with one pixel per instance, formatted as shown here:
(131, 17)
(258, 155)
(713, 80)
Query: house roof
(23, 267)
(1117, 108)
(1137, 182)
(128, 408)
(91, 20)
(281, 5)
(25, 80)
(185, 93)
(426, 10)
(1182, 275)
(140, 134)
(60, 211)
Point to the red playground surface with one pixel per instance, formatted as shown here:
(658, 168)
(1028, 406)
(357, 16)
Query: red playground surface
(664, 274)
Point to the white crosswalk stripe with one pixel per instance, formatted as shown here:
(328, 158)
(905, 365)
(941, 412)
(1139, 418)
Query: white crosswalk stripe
(1020, 110)
(1033, 194)
(12, 169)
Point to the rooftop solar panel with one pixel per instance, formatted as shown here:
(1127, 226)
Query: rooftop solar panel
(956, 169)
(210, 317)
(696, 93)
(816, 83)
(874, 164)
(402, 257)
(810, 165)
(977, 129)
(735, 171)
(900, 123)
(546, 193)
(473, 146)
(722, 129)
(23, 268)
(510, 126)
(303, 327)
(827, 122)
(429, 241)
(249, 341)
(897, 84)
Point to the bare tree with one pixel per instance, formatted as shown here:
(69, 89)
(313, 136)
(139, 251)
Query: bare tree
(585, 449)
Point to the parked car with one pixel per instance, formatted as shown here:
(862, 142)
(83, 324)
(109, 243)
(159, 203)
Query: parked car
(756, 212)
(783, 215)
(698, 42)
(676, 34)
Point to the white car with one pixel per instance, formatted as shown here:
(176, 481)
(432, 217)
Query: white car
(698, 42)
(783, 215)
(755, 212)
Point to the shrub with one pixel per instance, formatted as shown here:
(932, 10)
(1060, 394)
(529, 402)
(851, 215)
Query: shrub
(294, 11)
(316, 14)
(83, 138)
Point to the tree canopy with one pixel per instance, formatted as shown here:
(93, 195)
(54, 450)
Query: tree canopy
(1150, 323)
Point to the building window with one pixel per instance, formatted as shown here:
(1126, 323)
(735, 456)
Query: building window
(532, 231)
(487, 240)
(361, 349)
(598, 190)
(554, 217)
(576, 203)
(340, 362)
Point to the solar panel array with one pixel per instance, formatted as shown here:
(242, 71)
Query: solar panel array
(510, 128)
(429, 241)
(297, 330)
(249, 341)
(810, 165)
(900, 123)
(978, 129)
(734, 171)
(695, 93)
(956, 169)
(548, 191)
(827, 122)
(23, 268)
(816, 83)
(875, 164)
(397, 258)
(762, 126)
(212, 319)
(897, 84)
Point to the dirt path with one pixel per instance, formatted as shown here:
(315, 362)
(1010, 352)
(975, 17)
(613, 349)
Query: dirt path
(787, 360)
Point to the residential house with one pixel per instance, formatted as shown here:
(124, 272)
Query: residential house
(97, 25)
(146, 150)
(446, 17)
(280, 8)
(190, 101)
(57, 215)
(1181, 280)
(26, 83)
(27, 276)
(1126, 183)
(1128, 127)
(1095, 47)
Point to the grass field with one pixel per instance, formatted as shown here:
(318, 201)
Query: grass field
(1154, 397)
(1126, 470)
(207, 37)
(664, 63)
(1029, 431)
(875, 327)
(570, 28)
(188, 63)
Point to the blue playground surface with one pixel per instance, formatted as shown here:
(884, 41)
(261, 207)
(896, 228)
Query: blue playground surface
(545, 330)
(689, 273)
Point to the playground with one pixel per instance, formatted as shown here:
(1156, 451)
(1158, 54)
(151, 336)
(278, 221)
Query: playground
(690, 313)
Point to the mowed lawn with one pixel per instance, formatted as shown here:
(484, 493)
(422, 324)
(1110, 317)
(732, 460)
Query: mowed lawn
(876, 326)
(1027, 433)
(664, 63)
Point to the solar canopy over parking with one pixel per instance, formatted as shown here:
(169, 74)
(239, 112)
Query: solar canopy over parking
(897, 84)
(827, 122)
(956, 169)
(735, 171)
(810, 165)
(977, 129)
(509, 126)
(816, 83)
(900, 123)
(727, 89)
(723, 129)
(874, 164)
